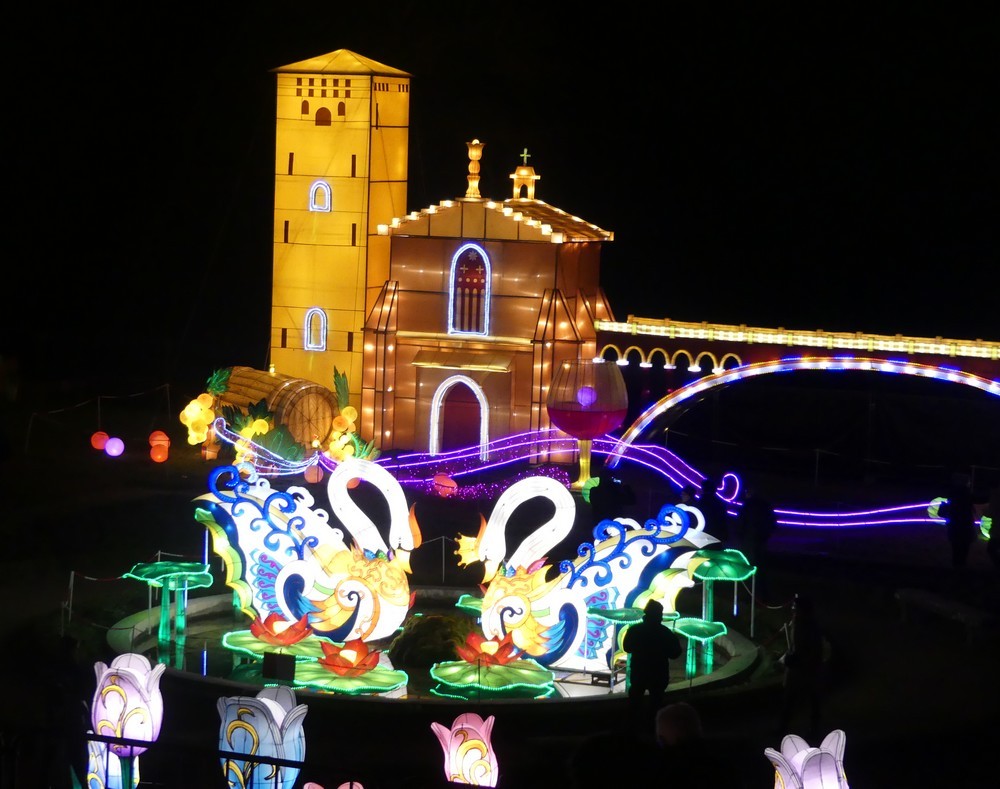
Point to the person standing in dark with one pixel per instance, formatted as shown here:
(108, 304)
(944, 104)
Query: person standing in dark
(651, 646)
(754, 525)
(959, 515)
(681, 747)
(803, 663)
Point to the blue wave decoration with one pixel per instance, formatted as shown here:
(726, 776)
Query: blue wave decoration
(627, 543)
(235, 491)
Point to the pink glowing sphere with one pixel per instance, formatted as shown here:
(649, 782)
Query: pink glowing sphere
(586, 396)
(114, 447)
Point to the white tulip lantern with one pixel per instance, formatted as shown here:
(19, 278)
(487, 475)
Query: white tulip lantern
(127, 708)
(801, 766)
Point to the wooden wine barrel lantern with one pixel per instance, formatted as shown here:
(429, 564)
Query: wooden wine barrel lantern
(305, 407)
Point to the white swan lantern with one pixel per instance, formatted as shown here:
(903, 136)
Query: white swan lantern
(555, 620)
(283, 556)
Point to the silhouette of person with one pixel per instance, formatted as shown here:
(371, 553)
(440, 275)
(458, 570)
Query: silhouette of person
(682, 749)
(754, 525)
(594, 762)
(959, 515)
(651, 646)
(803, 663)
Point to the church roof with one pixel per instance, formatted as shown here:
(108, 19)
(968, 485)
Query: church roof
(517, 218)
(342, 61)
(572, 227)
(520, 217)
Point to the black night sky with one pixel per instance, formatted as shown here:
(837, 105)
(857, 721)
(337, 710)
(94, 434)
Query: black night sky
(766, 166)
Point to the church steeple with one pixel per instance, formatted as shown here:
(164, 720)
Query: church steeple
(524, 176)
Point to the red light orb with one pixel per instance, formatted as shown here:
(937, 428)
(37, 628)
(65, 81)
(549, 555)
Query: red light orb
(313, 474)
(99, 439)
(158, 437)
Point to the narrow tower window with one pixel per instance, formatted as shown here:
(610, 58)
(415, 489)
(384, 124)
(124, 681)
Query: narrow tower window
(315, 330)
(320, 196)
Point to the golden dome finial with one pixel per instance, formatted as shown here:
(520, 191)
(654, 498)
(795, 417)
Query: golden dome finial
(475, 154)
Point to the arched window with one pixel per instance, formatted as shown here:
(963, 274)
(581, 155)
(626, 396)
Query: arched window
(315, 330)
(305, 107)
(322, 117)
(320, 196)
(341, 110)
(469, 296)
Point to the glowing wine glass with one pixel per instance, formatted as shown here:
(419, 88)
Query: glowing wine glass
(587, 399)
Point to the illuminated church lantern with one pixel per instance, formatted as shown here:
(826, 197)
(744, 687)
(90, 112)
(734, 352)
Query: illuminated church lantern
(483, 301)
(341, 148)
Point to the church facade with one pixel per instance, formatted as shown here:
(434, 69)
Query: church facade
(448, 321)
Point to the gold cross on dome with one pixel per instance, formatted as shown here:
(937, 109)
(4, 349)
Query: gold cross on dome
(525, 156)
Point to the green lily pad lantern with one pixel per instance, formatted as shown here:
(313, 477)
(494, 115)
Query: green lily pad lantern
(728, 564)
(524, 678)
(379, 680)
(470, 604)
(246, 644)
(176, 579)
(698, 632)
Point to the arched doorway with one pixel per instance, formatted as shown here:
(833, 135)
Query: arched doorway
(455, 424)
(460, 417)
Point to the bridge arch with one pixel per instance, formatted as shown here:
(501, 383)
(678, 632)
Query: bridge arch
(682, 360)
(660, 357)
(833, 364)
(611, 353)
